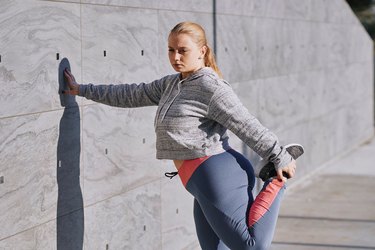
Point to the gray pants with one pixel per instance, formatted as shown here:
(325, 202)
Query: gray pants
(225, 212)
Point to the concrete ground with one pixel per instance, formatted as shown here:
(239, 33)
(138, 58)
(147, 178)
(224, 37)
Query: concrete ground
(332, 209)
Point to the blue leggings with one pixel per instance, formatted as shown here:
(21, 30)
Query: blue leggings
(225, 212)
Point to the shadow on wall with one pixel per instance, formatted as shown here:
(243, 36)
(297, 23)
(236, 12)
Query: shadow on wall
(70, 213)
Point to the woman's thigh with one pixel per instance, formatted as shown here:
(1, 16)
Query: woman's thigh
(222, 186)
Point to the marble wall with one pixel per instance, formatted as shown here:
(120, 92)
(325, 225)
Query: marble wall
(79, 175)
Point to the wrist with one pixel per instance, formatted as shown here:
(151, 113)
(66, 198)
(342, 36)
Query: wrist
(74, 90)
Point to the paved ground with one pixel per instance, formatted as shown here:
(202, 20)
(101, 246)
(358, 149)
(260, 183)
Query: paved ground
(334, 209)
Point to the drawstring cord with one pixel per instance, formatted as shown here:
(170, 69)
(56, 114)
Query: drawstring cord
(170, 175)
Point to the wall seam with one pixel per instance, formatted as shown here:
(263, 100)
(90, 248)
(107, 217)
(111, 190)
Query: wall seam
(81, 107)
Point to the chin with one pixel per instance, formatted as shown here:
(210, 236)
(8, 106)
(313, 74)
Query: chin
(178, 69)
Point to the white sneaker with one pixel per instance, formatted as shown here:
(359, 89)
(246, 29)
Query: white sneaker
(265, 169)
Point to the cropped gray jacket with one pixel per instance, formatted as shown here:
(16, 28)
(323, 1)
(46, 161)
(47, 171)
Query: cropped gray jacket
(193, 115)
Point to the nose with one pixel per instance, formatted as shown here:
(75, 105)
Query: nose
(176, 56)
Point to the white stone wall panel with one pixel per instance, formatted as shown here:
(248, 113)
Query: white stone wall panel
(34, 32)
(127, 221)
(119, 45)
(86, 175)
(177, 215)
(119, 150)
(28, 165)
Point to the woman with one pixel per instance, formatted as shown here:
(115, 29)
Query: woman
(195, 108)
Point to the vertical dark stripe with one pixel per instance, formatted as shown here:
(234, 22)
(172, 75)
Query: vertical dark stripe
(214, 25)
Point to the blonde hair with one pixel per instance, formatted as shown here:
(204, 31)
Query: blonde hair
(198, 35)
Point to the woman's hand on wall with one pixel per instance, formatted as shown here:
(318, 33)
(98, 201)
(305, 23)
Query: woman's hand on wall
(72, 84)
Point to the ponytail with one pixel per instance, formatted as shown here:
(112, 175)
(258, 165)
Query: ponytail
(199, 36)
(209, 61)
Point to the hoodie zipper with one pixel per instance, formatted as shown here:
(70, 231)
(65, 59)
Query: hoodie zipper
(169, 103)
(162, 107)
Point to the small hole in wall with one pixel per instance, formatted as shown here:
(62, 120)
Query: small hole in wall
(144, 140)
(0, 58)
(106, 151)
(144, 228)
(107, 247)
(1, 179)
(105, 53)
(142, 52)
(57, 56)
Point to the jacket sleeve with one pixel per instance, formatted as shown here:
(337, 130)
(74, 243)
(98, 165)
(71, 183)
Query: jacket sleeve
(125, 95)
(226, 108)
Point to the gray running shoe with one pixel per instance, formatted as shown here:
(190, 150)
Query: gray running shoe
(267, 169)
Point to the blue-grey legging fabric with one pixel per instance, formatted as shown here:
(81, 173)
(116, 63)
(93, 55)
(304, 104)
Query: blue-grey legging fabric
(225, 213)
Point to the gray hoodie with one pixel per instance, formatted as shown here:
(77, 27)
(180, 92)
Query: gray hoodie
(193, 115)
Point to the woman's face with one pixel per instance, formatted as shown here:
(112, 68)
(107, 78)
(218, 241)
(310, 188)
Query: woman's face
(184, 54)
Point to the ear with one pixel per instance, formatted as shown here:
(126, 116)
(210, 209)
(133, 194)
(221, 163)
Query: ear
(203, 51)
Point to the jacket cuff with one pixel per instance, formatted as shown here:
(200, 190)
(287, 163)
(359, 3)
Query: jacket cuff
(82, 89)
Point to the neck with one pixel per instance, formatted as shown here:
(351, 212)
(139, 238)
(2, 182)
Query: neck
(187, 74)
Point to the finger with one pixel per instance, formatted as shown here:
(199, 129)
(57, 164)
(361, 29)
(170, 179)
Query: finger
(294, 172)
(67, 76)
(280, 175)
(68, 73)
(70, 81)
(290, 173)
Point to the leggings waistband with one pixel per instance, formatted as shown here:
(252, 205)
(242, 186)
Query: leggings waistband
(188, 167)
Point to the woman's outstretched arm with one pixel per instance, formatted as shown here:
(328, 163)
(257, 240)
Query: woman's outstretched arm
(120, 95)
